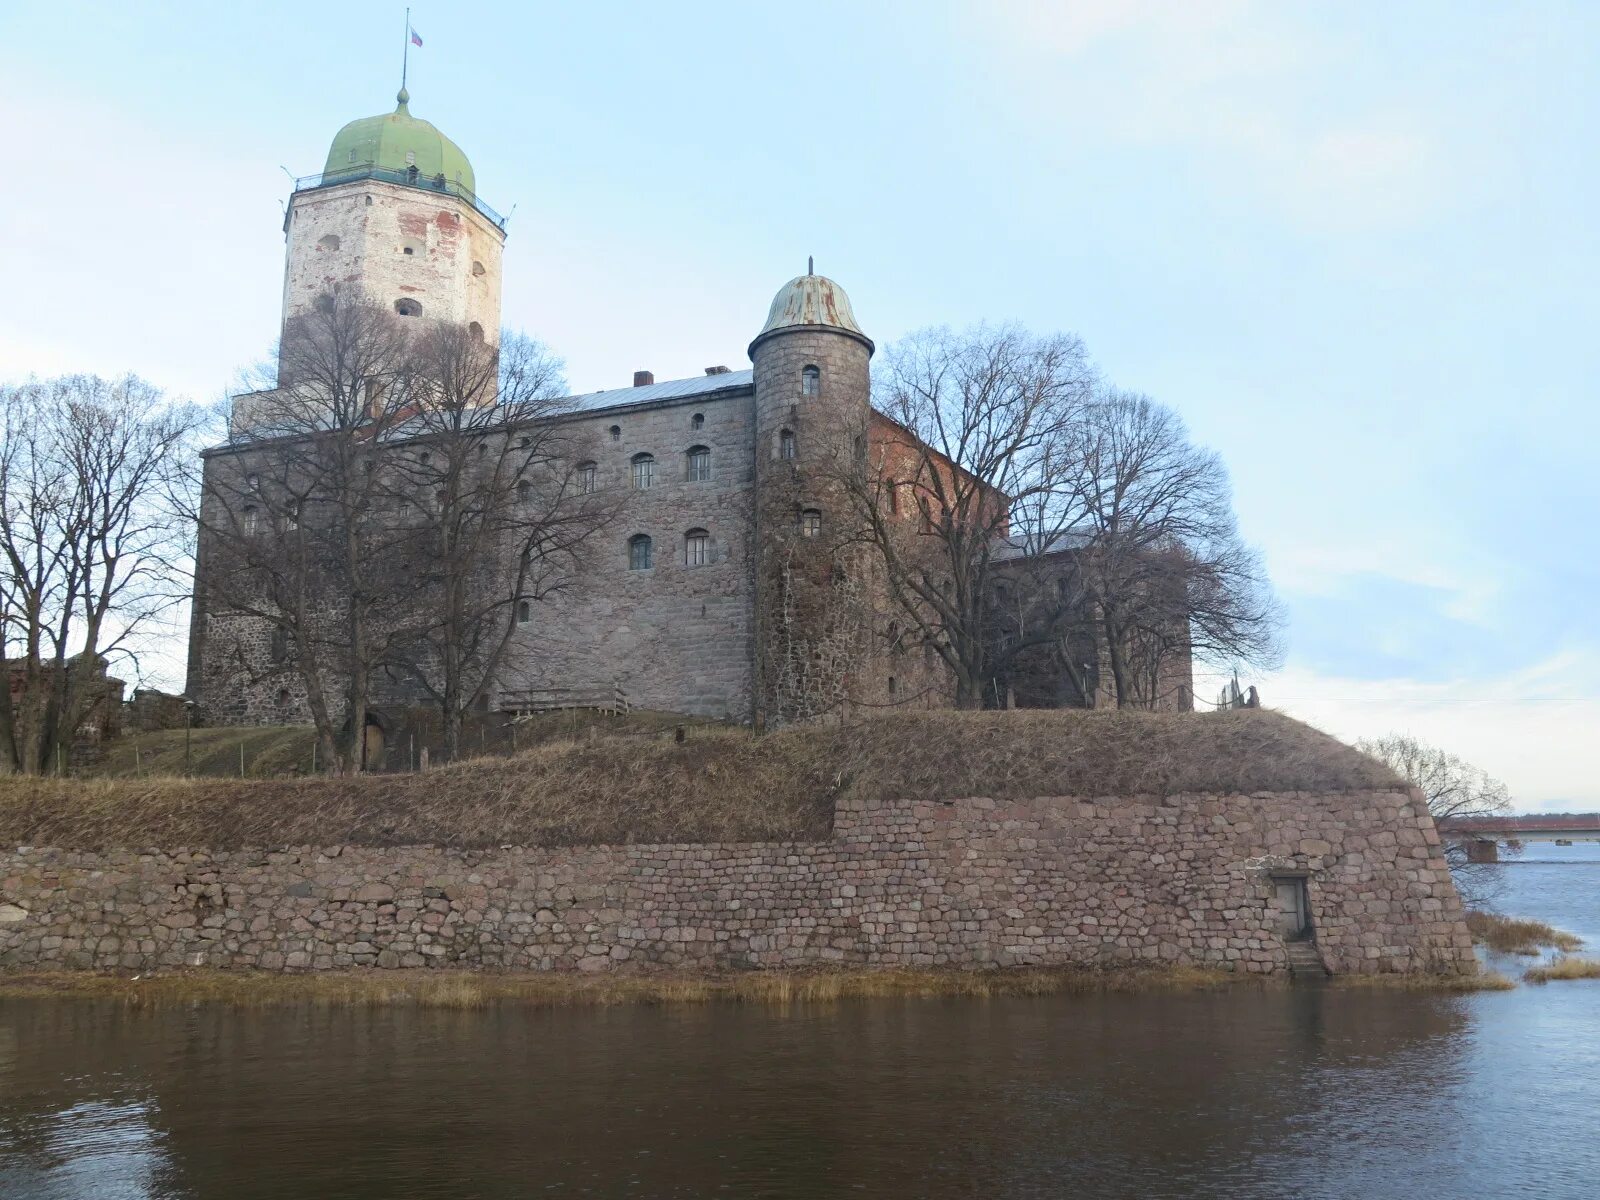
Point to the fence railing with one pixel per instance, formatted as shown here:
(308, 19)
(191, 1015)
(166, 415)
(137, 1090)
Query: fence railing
(528, 702)
(407, 177)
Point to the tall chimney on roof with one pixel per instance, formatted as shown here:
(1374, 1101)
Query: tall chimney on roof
(643, 378)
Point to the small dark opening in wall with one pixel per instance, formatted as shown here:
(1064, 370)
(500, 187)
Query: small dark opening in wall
(283, 696)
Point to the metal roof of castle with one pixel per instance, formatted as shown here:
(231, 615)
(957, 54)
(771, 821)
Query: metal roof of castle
(671, 389)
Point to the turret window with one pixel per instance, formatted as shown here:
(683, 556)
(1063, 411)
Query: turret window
(644, 471)
(476, 331)
(699, 458)
(329, 241)
(477, 267)
(408, 307)
(786, 444)
(639, 552)
(810, 523)
(811, 382)
(696, 548)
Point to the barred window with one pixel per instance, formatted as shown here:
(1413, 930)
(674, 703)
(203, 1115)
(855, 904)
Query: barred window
(644, 471)
(699, 464)
(639, 552)
(696, 548)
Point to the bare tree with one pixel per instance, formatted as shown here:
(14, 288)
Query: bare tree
(92, 550)
(505, 509)
(964, 472)
(298, 532)
(1162, 563)
(1455, 791)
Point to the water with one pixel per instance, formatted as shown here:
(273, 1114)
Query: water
(1314, 1093)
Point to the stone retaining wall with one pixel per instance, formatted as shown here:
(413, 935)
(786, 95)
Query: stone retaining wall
(966, 883)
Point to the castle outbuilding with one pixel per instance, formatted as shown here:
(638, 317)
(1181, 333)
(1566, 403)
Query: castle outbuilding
(722, 590)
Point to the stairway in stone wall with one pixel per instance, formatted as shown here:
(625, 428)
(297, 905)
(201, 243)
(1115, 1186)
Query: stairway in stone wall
(1305, 961)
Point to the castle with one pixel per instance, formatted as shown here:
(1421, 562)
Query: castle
(709, 594)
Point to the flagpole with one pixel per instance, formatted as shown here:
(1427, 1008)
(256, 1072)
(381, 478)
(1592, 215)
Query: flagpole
(405, 54)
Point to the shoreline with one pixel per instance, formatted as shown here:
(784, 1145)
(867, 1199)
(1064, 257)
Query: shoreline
(484, 989)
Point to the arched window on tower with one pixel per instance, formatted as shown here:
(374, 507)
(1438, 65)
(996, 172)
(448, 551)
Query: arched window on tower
(616, 433)
(786, 445)
(639, 552)
(698, 421)
(811, 382)
(644, 471)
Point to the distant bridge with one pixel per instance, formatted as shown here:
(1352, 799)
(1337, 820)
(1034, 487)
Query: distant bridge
(1482, 835)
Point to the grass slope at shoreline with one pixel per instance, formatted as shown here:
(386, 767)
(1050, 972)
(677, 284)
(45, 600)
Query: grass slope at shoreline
(478, 989)
(1513, 935)
(719, 785)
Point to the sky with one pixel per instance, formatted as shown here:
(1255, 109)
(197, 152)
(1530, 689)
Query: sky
(1353, 244)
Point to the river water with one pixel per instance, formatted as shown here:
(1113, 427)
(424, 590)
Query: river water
(1296, 1092)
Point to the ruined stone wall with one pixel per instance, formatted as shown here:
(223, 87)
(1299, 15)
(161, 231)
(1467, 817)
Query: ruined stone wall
(965, 883)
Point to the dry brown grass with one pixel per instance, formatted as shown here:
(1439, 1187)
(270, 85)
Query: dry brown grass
(719, 785)
(1483, 981)
(1508, 935)
(1564, 968)
(462, 989)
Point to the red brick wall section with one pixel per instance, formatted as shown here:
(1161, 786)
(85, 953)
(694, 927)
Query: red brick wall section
(966, 883)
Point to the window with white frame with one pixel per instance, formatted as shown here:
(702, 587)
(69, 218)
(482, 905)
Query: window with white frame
(587, 474)
(644, 471)
(696, 548)
(786, 445)
(810, 523)
(699, 458)
(811, 382)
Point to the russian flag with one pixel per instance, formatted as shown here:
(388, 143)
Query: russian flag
(415, 40)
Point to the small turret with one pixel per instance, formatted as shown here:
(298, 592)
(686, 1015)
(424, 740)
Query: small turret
(812, 404)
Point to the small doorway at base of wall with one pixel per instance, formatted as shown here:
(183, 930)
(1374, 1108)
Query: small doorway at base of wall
(1293, 907)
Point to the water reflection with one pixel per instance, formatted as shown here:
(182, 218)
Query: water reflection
(1304, 1092)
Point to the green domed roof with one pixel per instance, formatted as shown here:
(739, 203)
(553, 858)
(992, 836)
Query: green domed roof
(384, 142)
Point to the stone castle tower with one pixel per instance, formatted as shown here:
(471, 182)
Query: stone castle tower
(812, 407)
(394, 216)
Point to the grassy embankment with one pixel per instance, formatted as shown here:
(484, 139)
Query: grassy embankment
(467, 989)
(718, 785)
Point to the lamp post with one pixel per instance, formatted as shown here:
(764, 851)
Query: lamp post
(188, 727)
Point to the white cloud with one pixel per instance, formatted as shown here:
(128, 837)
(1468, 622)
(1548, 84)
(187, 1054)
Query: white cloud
(1238, 87)
(1534, 728)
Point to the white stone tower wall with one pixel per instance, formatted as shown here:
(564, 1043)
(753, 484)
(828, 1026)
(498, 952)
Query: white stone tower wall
(354, 236)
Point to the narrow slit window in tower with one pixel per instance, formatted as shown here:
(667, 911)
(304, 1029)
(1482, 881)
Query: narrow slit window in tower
(786, 444)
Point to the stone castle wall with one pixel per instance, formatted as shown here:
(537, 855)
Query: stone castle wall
(965, 883)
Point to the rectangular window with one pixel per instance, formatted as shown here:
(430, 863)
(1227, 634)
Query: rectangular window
(586, 478)
(697, 550)
(644, 472)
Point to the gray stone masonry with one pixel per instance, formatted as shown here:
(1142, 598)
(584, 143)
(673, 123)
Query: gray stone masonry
(924, 883)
